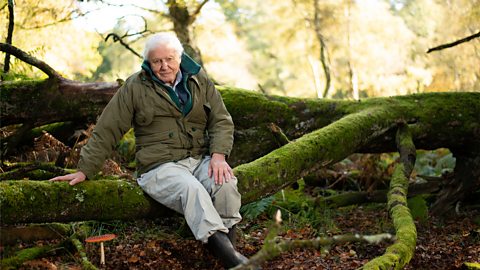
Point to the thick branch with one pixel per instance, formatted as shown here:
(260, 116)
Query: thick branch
(9, 49)
(328, 145)
(453, 44)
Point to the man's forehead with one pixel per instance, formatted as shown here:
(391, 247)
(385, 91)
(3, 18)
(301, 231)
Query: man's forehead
(163, 49)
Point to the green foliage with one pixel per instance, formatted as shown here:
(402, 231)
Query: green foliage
(434, 163)
(255, 209)
(418, 208)
(126, 147)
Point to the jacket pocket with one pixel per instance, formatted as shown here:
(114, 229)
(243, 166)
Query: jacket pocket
(197, 132)
(153, 153)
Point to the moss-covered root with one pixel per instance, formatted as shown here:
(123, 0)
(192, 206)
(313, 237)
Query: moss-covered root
(86, 264)
(15, 261)
(401, 252)
(471, 266)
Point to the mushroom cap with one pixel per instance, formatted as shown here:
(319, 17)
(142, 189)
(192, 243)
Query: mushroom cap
(100, 238)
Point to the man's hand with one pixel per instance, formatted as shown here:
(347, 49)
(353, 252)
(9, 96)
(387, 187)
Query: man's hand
(220, 169)
(74, 178)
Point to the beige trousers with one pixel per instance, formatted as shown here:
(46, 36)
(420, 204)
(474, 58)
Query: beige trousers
(185, 187)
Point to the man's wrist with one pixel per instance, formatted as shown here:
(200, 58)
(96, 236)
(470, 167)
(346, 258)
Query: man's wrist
(218, 155)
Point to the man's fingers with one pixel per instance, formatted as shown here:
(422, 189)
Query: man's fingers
(75, 181)
(74, 178)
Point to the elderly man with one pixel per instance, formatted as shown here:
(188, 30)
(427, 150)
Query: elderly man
(183, 134)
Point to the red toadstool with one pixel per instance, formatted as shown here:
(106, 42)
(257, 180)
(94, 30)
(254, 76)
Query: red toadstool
(101, 239)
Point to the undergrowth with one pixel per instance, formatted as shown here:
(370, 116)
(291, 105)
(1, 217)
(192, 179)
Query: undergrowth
(297, 208)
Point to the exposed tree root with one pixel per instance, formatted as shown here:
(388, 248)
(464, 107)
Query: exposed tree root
(377, 196)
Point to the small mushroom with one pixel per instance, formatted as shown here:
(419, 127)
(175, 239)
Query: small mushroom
(101, 239)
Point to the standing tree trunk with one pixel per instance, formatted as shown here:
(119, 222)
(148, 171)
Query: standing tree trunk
(323, 48)
(11, 24)
(183, 20)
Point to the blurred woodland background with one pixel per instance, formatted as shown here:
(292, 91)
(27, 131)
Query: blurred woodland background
(304, 48)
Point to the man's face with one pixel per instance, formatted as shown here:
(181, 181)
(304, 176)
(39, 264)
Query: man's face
(165, 63)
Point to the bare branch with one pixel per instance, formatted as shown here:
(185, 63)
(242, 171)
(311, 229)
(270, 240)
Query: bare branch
(25, 57)
(117, 38)
(199, 8)
(455, 43)
(145, 28)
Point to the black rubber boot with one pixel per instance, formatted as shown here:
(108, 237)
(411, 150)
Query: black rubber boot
(232, 235)
(222, 248)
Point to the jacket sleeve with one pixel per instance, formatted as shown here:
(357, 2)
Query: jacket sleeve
(114, 122)
(220, 123)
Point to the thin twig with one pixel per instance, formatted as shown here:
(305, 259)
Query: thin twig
(69, 17)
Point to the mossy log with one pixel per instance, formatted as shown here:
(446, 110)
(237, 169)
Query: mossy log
(401, 252)
(365, 125)
(27, 201)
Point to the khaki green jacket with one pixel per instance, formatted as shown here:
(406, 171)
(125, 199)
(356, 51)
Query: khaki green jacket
(162, 132)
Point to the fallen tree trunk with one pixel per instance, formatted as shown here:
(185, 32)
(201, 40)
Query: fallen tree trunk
(281, 167)
(27, 201)
(321, 132)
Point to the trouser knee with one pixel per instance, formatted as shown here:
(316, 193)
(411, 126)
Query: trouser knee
(227, 199)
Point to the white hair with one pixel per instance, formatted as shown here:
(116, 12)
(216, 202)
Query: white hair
(163, 38)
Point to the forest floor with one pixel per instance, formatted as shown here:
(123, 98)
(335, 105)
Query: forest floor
(153, 244)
